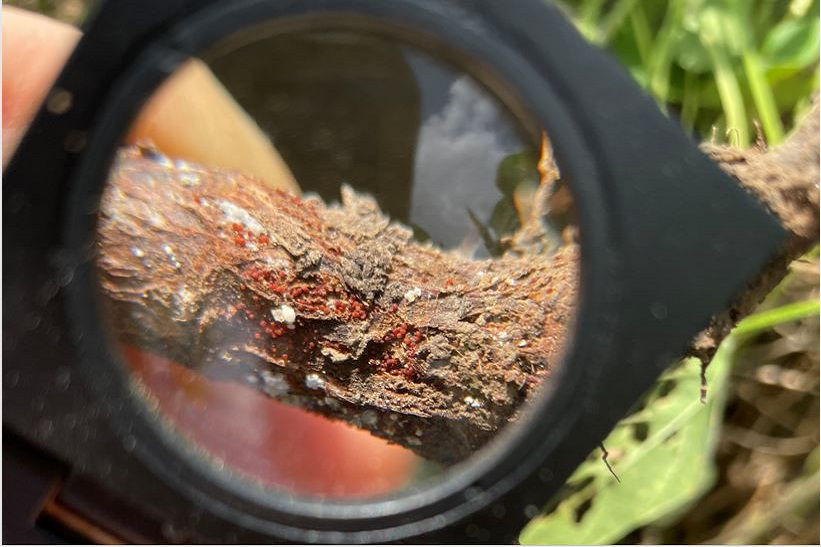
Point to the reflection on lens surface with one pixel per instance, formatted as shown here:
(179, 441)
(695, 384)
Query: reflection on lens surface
(335, 265)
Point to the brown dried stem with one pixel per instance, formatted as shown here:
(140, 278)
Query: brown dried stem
(785, 180)
(341, 312)
(333, 309)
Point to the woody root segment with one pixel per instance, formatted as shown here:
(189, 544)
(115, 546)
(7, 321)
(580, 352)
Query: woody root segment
(338, 310)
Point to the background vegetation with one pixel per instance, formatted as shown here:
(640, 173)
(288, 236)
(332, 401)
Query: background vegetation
(744, 467)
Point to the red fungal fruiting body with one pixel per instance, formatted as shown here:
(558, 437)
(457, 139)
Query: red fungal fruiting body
(263, 239)
(239, 241)
(409, 373)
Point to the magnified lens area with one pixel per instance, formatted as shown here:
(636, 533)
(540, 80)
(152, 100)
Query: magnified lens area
(334, 263)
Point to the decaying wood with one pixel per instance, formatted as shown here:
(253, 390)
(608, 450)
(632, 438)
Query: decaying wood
(339, 311)
(785, 179)
(334, 309)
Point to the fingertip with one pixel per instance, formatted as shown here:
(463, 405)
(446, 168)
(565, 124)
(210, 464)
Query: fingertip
(34, 50)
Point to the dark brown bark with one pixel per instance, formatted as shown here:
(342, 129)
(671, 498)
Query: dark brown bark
(333, 309)
(785, 180)
(341, 312)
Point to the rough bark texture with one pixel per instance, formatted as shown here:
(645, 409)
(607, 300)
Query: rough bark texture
(337, 310)
(334, 309)
(785, 179)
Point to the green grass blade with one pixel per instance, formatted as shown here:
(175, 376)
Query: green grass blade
(782, 314)
(662, 52)
(615, 18)
(641, 32)
(690, 102)
(588, 19)
(763, 99)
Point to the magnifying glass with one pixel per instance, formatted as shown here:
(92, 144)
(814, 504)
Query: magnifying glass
(417, 272)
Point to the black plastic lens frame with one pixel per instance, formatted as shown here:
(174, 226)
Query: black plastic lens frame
(640, 188)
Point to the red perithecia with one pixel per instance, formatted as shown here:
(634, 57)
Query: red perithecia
(264, 280)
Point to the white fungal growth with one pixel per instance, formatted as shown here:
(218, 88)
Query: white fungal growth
(235, 213)
(181, 302)
(413, 294)
(136, 251)
(284, 314)
(314, 381)
(278, 263)
(472, 403)
(274, 384)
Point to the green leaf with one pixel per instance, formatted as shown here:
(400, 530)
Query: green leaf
(789, 92)
(504, 220)
(793, 43)
(516, 169)
(692, 56)
(662, 454)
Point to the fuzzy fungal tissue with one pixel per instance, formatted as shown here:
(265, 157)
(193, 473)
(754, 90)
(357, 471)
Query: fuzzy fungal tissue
(284, 314)
(413, 294)
(313, 381)
(236, 214)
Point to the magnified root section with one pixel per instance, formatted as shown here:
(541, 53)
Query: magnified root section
(332, 308)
